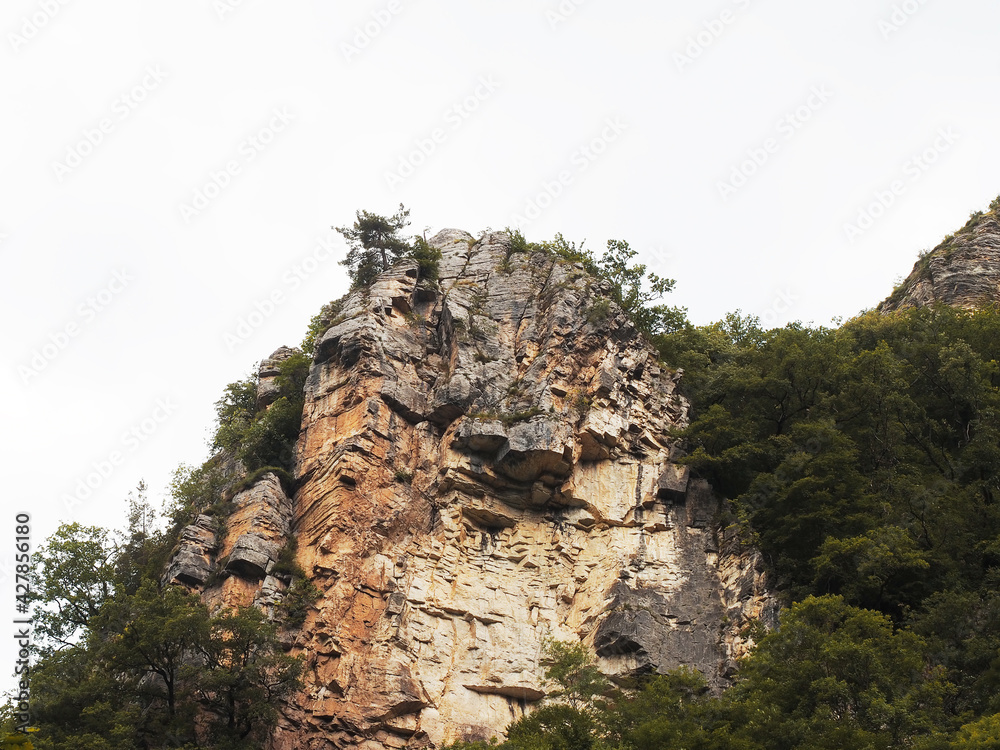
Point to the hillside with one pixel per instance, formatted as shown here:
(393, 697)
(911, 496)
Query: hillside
(489, 500)
(962, 271)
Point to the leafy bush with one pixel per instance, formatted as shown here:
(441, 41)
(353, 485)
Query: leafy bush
(267, 438)
(286, 480)
(427, 257)
(517, 243)
(599, 311)
(321, 322)
(299, 597)
(270, 439)
(194, 490)
(235, 413)
(630, 286)
(285, 565)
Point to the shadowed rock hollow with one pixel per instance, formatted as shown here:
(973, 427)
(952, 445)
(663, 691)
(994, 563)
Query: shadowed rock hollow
(484, 462)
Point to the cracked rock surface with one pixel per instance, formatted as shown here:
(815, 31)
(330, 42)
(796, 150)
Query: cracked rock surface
(963, 271)
(485, 462)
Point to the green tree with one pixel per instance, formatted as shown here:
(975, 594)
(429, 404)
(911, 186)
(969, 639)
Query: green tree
(265, 438)
(554, 727)
(373, 244)
(146, 546)
(836, 676)
(666, 711)
(195, 490)
(74, 577)
(572, 668)
(628, 289)
(242, 677)
(868, 568)
(77, 703)
(149, 636)
(235, 412)
(983, 734)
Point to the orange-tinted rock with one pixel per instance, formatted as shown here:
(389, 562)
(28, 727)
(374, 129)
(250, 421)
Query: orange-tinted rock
(483, 466)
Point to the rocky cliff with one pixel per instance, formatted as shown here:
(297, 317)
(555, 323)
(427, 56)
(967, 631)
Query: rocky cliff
(963, 271)
(485, 462)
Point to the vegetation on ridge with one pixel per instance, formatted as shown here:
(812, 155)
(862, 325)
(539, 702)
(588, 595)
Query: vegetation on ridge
(921, 269)
(374, 244)
(630, 285)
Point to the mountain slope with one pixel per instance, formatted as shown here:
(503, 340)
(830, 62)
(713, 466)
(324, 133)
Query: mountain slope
(963, 271)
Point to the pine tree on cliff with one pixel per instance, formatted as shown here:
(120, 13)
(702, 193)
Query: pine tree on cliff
(374, 243)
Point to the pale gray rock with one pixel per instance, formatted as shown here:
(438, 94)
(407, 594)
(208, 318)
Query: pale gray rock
(191, 564)
(963, 271)
(270, 368)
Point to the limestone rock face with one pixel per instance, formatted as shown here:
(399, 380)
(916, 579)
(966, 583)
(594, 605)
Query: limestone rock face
(267, 387)
(192, 562)
(257, 529)
(963, 271)
(485, 462)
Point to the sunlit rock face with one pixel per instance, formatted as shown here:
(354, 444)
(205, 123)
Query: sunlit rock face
(963, 271)
(486, 462)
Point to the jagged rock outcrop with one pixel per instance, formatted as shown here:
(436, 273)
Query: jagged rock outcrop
(194, 558)
(257, 529)
(485, 462)
(232, 560)
(267, 373)
(963, 271)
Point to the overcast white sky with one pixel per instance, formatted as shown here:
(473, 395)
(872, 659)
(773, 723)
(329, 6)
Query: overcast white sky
(166, 167)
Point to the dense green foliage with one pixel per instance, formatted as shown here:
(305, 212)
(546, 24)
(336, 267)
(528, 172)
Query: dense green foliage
(320, 323)
(263, 438)
(374, 244)
(128, 663)
(629, 285)
(125, 663)
(832, 676)
(865, 460)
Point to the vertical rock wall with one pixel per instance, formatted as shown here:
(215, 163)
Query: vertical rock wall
(485, 463)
